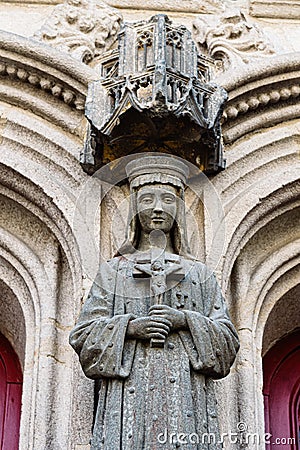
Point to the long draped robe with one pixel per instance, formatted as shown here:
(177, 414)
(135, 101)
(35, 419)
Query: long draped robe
(155, 398)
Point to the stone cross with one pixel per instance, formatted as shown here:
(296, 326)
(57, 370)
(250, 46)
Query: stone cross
(158, 266)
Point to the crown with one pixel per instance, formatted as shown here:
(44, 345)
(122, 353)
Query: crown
(159, 169)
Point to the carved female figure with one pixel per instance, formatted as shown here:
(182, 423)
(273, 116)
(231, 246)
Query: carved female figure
(155, 328)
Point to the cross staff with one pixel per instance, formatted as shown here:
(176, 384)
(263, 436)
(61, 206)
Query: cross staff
(158, 269)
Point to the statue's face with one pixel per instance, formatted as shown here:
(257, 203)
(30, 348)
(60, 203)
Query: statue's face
(156, 207)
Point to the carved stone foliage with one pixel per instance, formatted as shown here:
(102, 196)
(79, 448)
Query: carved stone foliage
(230, 39)
(155, 95)
(83, 28)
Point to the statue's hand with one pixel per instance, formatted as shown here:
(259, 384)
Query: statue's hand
(176, 317)
(149, 328)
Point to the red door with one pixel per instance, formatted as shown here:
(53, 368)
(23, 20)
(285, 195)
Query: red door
(10, 396)
(282, 393)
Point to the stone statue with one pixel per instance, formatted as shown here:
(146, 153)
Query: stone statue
(155, 329)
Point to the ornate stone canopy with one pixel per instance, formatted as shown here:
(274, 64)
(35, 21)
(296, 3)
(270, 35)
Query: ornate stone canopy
(154, 94)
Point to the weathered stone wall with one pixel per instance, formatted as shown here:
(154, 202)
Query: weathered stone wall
(47, 263)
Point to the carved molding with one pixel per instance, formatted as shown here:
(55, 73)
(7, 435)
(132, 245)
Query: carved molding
(35, 77)
(263, 94)
(33, 228)
(189, 6)
(83, 28)
(230, 39)
(289, 9)
(260, 184)
(34, 2)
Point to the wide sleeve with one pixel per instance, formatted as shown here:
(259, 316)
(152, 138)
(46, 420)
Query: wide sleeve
(211, 340)
(99, 336)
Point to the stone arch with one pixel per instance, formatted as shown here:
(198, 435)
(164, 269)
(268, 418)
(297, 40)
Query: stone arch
(12, 319)
(20, 286)
(259, 192)
(263, 94)
(260, 183)
(41, 132)
(284, 317)
(258, 283)
(41, 270)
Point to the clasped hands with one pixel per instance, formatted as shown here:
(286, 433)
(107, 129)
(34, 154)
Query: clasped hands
(161, 320)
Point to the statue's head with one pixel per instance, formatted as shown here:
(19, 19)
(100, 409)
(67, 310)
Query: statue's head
(157, 207)
(157, 200)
